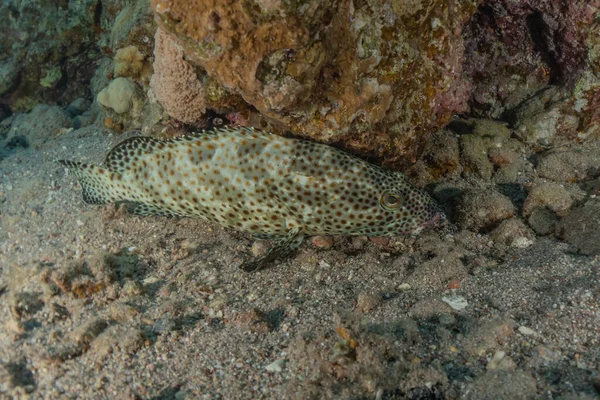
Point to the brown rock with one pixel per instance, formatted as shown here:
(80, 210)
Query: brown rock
(323, 242)
(483, 209)
(367, 302)
(548, 195)
(581, 228)
(373, 76)
(253, 320)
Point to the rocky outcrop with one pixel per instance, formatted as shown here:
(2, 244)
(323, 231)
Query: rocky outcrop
(374, 76)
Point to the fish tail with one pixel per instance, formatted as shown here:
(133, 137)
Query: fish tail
(98, 184)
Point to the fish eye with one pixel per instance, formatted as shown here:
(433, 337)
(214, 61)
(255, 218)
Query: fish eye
(390, 201)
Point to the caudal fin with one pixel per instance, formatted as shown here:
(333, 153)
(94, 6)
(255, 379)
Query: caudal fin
(98, 186)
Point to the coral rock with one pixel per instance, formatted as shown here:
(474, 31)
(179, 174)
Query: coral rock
(118, 95)
(376, 76)
(128, 62)
(175, 82)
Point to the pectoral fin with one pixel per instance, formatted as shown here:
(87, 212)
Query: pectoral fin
(283, 247)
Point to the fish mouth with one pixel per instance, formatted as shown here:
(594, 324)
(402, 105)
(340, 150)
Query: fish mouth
(437, 218)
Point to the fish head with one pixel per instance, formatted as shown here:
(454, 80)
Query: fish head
(408, 209)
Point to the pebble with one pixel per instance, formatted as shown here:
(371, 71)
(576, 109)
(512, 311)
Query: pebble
(456, 302)
(380, 241)
(260, 248)
(276, 366)
(483, 209)
(164, 324)
(253, 320)
(488, 336)
(367, 302)
(495, 361)
(521, 242)
(501, 361)
(526, 330)
(570, 165)
(121, 312)
(542, 221)
(581, 228)
(87, 332)
(322, 242)
(550, 195)
(513, 232)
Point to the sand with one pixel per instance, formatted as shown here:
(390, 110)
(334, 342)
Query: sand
(96, 303)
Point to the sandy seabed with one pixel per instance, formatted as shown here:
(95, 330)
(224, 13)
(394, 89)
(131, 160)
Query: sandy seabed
(96, 303)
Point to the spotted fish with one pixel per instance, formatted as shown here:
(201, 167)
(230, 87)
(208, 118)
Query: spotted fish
(254, 181)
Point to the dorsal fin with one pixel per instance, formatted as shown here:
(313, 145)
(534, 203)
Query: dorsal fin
(128, 151)
(244, 130)
(192, 136)
(224, 130)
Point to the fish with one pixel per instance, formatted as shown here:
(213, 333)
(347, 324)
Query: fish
(254, 181)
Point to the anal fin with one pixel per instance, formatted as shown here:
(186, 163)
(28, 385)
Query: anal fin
(145, 210)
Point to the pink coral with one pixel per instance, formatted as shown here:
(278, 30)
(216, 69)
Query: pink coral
(175, 82)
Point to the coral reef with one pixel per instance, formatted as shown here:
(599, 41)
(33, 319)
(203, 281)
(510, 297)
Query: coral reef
(48, 52)
(515, 49)
(373, 76)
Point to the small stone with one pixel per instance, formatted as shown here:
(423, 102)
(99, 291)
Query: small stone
(253, 320)
(404, 287)
(542, 221)
(323, 242)
(526, 330)
(367, 302)
(495, 361)
(260, 248)
(521, 242)
(77, 107)
(380, 241)
(581, 228)
(507, 364)
(438, 271)
(513, 232)
(358, 242)
(87, 332)
(483, 209)
(488, 337)
(454, 284)
(456, 302)
(121, 312)
(276, 366)
(570, 165)
(548, 195)
(164, 324)
(132, 288)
